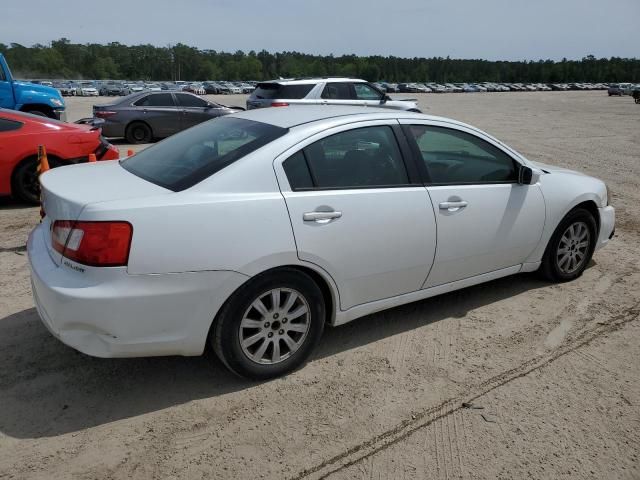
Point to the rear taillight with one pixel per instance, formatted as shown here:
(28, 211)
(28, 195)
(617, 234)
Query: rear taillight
(279, 104)
(98, 244)
(104, 113)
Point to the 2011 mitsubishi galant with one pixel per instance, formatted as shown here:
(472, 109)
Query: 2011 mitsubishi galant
(250, 232)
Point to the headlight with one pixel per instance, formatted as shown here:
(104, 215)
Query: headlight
(607, 195)
(57, 102)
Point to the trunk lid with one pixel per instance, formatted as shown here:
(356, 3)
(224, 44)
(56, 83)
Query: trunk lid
(66, 191)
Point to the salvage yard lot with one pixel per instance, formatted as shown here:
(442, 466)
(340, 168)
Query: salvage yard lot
(554, 367)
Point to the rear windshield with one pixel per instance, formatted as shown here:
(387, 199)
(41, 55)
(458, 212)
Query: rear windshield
(275, 90)
(181, 161)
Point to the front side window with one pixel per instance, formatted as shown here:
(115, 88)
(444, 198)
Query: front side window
(185, 100)
(366, 92)
(362, 157)
(157, 100)
(337, 91)
(187, 158)
(455, 157)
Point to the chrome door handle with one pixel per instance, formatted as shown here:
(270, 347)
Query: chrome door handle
(452, 206)
(321, 217)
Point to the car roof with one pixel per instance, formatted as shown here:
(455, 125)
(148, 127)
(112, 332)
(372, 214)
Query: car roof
(294, 115)
(308, 80)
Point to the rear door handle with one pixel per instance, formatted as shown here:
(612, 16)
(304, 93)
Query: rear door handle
(453, 206)
(321, 217)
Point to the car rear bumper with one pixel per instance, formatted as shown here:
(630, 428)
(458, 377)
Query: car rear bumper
(105, 312)
(607, 225)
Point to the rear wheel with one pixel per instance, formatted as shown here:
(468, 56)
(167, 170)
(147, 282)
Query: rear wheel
(138, 132)
(571, 247)
(270, 326)
(25, 184)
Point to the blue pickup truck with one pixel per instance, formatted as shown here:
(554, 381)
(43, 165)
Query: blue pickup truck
(29, 97)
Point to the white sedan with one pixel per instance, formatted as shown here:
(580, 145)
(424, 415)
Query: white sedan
(249, 233)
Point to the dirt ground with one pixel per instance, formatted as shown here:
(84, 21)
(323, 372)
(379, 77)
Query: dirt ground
(516, 378)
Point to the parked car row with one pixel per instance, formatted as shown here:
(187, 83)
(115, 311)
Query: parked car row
(121, 88)
(431, 87)
(622, 88)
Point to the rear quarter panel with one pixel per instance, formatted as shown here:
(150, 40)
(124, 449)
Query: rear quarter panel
(235, 220)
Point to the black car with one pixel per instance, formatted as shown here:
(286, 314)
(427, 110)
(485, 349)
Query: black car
(211, 88)
(141, 117)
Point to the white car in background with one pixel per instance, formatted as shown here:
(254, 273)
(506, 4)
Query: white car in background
(249, 233)
(86, 89)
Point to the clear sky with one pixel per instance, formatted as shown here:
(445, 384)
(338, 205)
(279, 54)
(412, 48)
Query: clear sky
(489, 29)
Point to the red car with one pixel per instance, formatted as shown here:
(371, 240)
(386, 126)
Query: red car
(66, 143)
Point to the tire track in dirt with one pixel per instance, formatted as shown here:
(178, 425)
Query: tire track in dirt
(427, 417)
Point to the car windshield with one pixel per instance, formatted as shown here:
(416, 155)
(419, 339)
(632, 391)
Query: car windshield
(189, 157)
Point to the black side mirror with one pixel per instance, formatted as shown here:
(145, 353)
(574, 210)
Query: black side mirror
(525, 175)
(385, 99)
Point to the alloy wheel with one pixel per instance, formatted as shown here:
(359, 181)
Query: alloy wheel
(573, 247)
(275, 326)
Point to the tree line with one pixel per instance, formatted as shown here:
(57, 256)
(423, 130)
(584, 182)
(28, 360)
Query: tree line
(65, 60)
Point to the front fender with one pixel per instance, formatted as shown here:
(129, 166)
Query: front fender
(562, 192)
(26, 95)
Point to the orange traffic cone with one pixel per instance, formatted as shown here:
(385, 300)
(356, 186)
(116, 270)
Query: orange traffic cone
(43, 161)
(92, 157)
(43, 166)
(130, 153)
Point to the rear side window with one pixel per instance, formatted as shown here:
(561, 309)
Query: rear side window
(358, 158)
(181, 161)
(297, 172)
(275, 90)
(158, 100)
(7, 125)
(337, 91)
(186, 100)
(455, 157)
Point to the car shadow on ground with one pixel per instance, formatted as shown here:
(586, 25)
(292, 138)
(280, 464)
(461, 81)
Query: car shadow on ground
(9, 203)
(48, 389)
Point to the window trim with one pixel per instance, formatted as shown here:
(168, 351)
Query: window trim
(424, 170)
(403, 149)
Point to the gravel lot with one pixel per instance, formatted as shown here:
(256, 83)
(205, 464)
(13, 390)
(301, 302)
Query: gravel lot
(554, 367)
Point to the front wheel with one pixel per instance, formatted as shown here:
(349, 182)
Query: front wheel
(571, 247)
(270, 325)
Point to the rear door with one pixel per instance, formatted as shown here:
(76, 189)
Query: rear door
(486, 220)
(359, 211)
(160, 112)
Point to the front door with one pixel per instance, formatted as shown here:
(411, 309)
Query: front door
(194, 110)
(6, 91)
(486, 220)
(357, 214)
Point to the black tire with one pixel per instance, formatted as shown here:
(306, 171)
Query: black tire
(551, 268)
(25, 185)
(42, 113)
(138, 132)
(225, 336)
